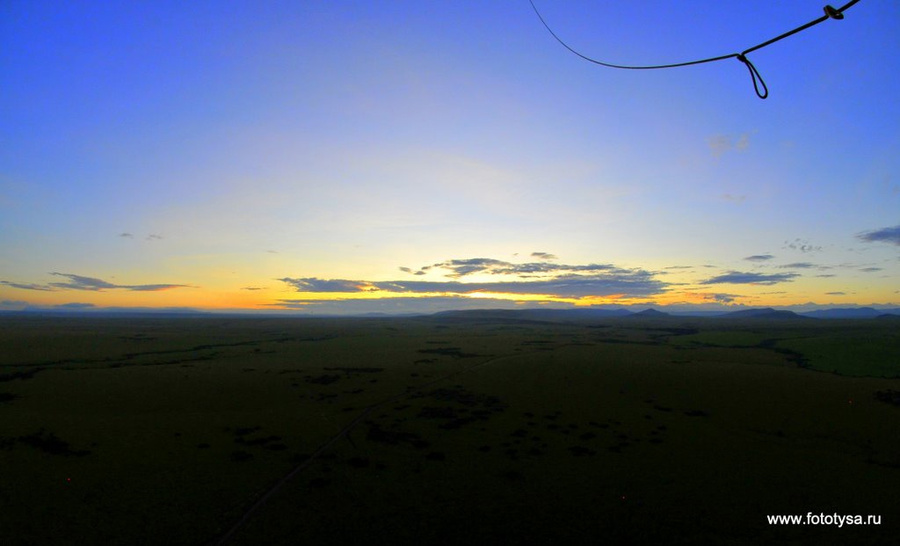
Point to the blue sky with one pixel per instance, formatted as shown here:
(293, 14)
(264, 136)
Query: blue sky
(250, 155)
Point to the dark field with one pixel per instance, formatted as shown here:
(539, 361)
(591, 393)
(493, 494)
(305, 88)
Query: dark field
(464, 431)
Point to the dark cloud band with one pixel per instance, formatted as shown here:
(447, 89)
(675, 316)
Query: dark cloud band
(736, 277)
(79, 282)
(620, 282)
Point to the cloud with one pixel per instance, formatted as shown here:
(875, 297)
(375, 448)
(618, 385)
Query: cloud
(461, 268)
(884, 235)
(490, 266)
(870, 269)
(312, 284)
(153, 287)
(835, 293)
(22, 286)
(733, 198)
(612, 282)
(719, 144)
(569, 286)
(802, 245)
(759, 258)
(153, 237)
(78, 282)
(251, 288)
(720, 297)
(403, 304)
(543, 256)
(736, 277)
(797, 265)
(411, 272)
(128, 235)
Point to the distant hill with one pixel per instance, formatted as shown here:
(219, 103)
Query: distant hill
(110, 312)
(651, 313)
(851, 313)
(767, 313)
(532, 314)
(577, 313)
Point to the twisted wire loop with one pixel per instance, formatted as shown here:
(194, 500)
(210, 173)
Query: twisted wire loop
(759, 85)
(755, 75)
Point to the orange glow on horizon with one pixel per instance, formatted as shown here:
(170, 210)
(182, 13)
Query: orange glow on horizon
(275, 298)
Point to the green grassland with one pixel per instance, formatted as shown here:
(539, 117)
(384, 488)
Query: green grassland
(445, 430)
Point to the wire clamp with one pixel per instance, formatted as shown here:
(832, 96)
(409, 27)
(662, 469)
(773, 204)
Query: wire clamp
(833, 13)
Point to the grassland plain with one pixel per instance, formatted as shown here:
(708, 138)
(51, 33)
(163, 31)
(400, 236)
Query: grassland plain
(674, 431)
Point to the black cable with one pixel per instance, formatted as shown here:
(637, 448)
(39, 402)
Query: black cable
(762, 91)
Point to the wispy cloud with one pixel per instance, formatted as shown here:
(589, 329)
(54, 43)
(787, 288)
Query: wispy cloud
(23, 286)
(79, 282)
(251, 288)
(733, 198)
(759, 258)
(884, 235)
(313, 284)
(737, 277)
(458, 268)
(801, 245)
(798, 265)
(719, 144)
(543, 256)
(718, 297)
(127, 235)
(870, 269)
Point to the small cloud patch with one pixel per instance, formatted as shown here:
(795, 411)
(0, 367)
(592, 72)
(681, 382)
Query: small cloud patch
(889, 235)
(543, 256)
(802, 245)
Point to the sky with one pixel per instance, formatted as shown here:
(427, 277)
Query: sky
(407, 156)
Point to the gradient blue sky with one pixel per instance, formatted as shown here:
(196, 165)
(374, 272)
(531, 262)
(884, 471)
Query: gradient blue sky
(400, 156)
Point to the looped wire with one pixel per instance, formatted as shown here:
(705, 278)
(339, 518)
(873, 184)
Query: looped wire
(756, 76)
(762, 91)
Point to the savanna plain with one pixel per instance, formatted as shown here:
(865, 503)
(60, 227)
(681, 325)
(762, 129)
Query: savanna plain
(468, 428)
